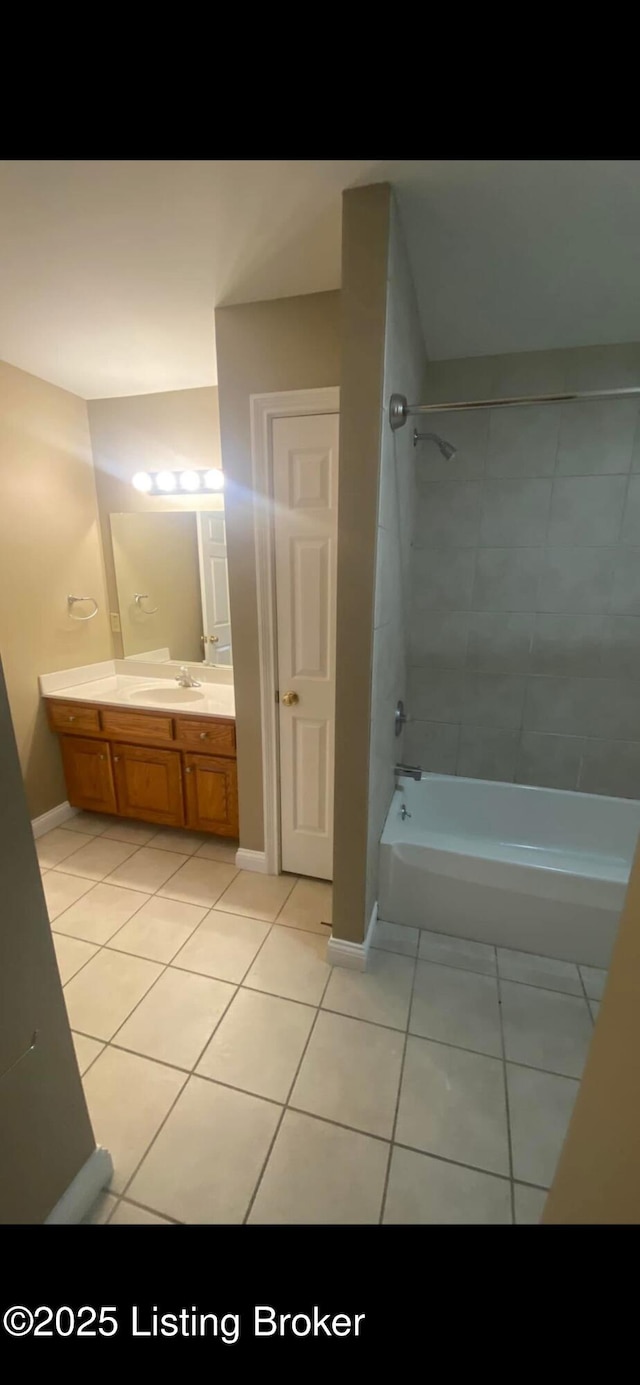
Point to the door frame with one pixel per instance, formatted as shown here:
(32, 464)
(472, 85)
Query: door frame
(264, 408)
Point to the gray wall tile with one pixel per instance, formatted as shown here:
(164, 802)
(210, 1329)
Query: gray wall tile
(443, 578)
(621, 646)
(507, 579)
(577, 579)
(631, 521)
(499, 642)
(439, 638)
(436, 694)
(567, 645)
(523, 442)
(596, 437)
(487, 753)
(433, 745)
(549, 761)
(603, 707)
(586, 510)
(447, 514)
(625, 594)
(611, 767)
(515, 513)
(492, 699)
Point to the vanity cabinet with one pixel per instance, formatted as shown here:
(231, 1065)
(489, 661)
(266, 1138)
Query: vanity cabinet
(173, 770)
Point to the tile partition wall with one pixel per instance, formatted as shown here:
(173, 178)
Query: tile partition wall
(404, 361)
(524, 660)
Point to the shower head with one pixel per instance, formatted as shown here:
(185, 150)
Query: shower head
(447, 449)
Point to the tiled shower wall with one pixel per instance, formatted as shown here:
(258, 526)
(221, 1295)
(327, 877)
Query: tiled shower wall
(404, 369)
(524, 658)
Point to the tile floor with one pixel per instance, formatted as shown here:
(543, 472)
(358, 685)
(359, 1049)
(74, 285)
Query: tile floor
(236, 1077)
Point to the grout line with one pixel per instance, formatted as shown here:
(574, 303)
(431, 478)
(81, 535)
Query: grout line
(385, 1188)
(506, 1100)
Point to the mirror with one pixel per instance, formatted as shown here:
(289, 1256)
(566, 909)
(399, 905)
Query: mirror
(173, 588)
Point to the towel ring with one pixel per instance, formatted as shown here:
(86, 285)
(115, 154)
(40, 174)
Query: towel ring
(139, 597)
(71, 600)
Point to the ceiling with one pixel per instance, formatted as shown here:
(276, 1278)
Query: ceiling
(110, 270)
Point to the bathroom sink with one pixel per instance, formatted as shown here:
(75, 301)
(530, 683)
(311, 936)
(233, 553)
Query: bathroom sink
(170, 696)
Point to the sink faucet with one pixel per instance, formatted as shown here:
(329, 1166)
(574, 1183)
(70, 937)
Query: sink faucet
(185, 679)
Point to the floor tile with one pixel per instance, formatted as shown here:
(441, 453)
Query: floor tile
(457, 952)
(539, 971)
(381, 994)
(456, 1007)
(135, 833)
(594, 1006)
(97, 857)
(528, 1204)
(100, 912)
(424, 1191)
(452, 1103)
(127, 1214)
(199, 881)
(540, 1107)
(54, 846)
(208, 1157)
(350, 1073)
(91, 824)
(319, 1174)
(258, 1044)
(62, 890)
(71, 955)
(309, 906)
(176, 839)
(545, 1029)
(257, 896)
(128, 1098)
(219, 849)
(101, 997)
(86, 1050)
(594, 981)
(396, 937)
(223, 945)
(176, 1018)
(159, 929)
(101, 1210)
(147, 869)
(291, 964)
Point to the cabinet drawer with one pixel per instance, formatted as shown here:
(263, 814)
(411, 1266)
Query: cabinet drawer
(137, 726)
(72, 716)
(219, 737)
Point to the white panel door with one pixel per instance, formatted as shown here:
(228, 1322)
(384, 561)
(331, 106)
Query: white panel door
(305, 482)
(214, 586)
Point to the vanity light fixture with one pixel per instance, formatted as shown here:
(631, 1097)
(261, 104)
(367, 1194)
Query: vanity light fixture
(191, 482)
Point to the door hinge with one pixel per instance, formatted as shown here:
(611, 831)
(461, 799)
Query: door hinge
(277, 695)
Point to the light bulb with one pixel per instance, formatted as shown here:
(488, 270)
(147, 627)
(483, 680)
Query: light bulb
(214, 479)
(190, 480)
(166, 481)
(142, 481)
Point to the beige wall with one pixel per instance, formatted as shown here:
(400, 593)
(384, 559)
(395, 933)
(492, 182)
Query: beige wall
(365, 241)
(158, 555)
(175, 430)
(598, 1175)
(49, 547)
(284, 344)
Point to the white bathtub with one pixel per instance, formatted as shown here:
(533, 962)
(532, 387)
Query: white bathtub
(544, 870)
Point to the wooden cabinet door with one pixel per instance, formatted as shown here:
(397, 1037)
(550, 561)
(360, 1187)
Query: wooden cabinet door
(148, 784)
(88, 774)
(211, 794)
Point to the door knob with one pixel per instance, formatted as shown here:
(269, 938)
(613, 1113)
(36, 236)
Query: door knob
(290, 699)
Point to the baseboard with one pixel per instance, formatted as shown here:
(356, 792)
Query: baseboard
(54, 818)
(83, 1191)
(341, 953)
(251, 860)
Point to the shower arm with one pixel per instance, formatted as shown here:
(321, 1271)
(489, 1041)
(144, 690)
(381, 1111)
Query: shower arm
(400, 410)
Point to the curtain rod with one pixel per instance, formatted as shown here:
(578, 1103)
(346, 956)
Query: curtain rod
(400, 410)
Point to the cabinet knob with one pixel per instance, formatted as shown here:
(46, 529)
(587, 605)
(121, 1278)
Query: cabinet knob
(115, 758)
(203, 735)
(71, 718)
(102, 757)
(187, 769)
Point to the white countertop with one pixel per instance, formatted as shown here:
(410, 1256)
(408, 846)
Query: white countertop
(116, 689)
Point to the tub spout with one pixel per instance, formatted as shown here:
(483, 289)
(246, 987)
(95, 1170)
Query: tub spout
(412, 771)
